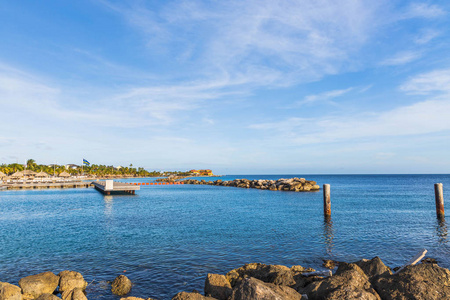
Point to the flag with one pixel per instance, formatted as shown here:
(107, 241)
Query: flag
(86, 163)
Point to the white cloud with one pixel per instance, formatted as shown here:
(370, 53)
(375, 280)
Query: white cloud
(258, 42)
(434, 81)
(22, 92)
(425, 117)
(423, 10)
(325, 96)
(401, 58)
(426, 36)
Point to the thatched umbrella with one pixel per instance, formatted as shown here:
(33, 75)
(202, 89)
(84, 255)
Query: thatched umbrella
(2, 174)
(17, 175)
(29, 173)
(42, 175)
(64, 174)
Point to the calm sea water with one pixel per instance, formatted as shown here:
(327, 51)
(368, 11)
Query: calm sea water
(167, 238)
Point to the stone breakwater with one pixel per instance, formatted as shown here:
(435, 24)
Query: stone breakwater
(291, 184)
(364, 279)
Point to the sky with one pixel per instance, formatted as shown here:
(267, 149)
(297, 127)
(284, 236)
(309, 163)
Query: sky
(239, 87)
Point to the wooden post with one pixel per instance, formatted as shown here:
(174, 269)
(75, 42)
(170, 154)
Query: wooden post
(326, 200)
(439, 196)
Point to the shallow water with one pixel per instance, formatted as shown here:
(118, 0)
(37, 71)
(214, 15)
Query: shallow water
(167, 238)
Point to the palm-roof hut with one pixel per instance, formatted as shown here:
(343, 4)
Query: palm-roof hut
(23, 174)
(17, 175)
(64, 174)
(42, 174)
(2, 174)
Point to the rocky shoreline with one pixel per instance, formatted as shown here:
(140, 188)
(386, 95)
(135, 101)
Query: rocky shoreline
(292, 184)
(364, 279)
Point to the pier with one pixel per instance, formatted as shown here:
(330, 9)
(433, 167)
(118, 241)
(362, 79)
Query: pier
(45, 185)
(109, 186)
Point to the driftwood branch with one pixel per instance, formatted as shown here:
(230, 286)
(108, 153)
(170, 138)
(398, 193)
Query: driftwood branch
(414, 260)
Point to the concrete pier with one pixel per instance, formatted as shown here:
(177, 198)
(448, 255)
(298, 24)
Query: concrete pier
(109, 186)
(45, 185)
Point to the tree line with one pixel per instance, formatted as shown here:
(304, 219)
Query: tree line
(93, 170)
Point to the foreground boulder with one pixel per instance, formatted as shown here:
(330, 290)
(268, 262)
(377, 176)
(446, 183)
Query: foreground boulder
(191, 296)
(350, 282)
(276, 274)
(251, 288)
(217, 286)
(75, 294)
(48, 296)
(121, 285)
(423, 281)
(68, 280)
(373, 268)
(35, 285)
(10, 292)
(135, 298)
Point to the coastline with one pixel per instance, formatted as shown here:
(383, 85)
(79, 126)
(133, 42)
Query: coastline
(363, 279)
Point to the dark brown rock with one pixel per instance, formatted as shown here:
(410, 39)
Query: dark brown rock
(74, 294)
(373, 268)
(121, 285)
(35, 285)
(350, 282)
(10, 292)
(275, 274)
(251, 288)
(217, 286)
(191, 296)
(47, 296)
(329, 264)
(423, 281)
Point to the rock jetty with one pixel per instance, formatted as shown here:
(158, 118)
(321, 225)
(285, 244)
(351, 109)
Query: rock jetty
(364, 279)
(291, 184)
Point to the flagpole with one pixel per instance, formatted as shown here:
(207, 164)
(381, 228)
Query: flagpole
(82, 163)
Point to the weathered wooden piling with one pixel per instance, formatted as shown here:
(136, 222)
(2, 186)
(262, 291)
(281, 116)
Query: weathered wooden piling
(326, 200)
(439, 196)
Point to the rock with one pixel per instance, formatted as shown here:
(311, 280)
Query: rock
(135, 298)
(68, 280)
(329, 264)
(252, 288)
(121, 285)
(75, 294)
(429, 260)
(302, 282)
(350, 282)
(191, 296)
(422, 281)
(373, 268)
(217, 286)
(276, 274)
(297, 269)
(10, 292)
(35, 285)
(47, 296)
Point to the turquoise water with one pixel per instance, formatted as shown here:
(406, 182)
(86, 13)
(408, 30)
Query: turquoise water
(167, 238)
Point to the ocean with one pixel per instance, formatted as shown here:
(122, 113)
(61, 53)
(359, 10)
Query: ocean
(167, 238)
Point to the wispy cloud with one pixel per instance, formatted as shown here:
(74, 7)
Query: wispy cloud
(127, 107)
(325, 96)
(425, 117)
(257, 43)
(434, 81)
(401, 58)
(423, 10)
(426, 36)
(421, 118)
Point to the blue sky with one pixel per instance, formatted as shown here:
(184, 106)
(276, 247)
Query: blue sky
(293, 87)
